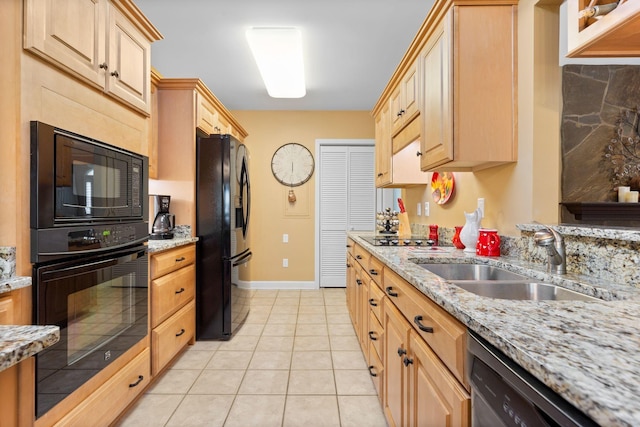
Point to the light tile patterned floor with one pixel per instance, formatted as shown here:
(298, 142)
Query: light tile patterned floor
(295, 362)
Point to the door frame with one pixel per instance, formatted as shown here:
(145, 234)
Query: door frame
(335, 142)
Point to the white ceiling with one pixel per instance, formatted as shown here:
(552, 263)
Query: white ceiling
(351, 47)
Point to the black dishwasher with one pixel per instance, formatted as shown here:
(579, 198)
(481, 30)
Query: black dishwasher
(504, 394)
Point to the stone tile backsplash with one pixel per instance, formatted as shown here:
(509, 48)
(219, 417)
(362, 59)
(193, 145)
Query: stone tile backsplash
(7, 262)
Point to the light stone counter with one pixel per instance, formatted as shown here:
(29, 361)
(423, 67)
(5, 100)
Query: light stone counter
(13, 283)
(18, 343)
(588, 352)
(163, 245)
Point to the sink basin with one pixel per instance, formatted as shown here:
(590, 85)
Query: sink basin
(453, 271)
(495, 282)
(522, 291)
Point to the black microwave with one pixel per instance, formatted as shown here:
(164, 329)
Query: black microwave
(77, 180)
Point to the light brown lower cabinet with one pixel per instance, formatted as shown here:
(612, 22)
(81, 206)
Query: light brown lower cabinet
(104, 405)
(415, 350)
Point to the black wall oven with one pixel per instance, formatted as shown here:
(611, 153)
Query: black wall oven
(88, 228)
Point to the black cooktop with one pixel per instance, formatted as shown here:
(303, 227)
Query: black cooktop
(394, 240)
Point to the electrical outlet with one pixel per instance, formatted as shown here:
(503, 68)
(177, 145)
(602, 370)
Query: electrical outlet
(285, 262)
(419, 209)
(285, 238)
(481, 206)
(426, 208)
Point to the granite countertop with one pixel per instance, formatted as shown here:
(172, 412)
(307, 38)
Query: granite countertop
(588, 352)
(13, 283)
(162, 245)
(18, 343)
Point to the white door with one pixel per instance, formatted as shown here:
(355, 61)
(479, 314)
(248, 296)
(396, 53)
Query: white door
(346, 202)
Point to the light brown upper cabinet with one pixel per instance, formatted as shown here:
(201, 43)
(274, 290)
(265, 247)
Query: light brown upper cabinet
(616, 34)
(105, 43)
(383, 147)
(469, 88)
(456, 92)
(404, 100)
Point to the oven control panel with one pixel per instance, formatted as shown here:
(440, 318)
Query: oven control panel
(100, 237)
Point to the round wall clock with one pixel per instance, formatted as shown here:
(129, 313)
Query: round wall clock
(292, 164)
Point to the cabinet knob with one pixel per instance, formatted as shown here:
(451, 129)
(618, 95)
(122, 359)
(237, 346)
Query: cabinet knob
(103, 66)
(180, 291)
(371, 337)
(380, 174)
(418, 154)
(407, 361)
(401, 351)
(359, 282)
(182, 331)
(372, 302)
(180, 259)
(373, 272)
(390, 292)
(115, 73)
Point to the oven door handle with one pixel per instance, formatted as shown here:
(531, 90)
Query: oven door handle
(96, 251)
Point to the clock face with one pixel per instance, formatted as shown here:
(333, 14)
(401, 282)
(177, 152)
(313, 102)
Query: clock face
(292, 164)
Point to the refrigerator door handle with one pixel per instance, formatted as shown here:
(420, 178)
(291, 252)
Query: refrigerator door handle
(243, 260)
(237, 255)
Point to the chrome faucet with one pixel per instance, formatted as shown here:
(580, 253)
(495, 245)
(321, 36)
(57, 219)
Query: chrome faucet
(553, 242)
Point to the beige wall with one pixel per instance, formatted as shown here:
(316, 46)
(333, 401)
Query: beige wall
(529, 189)
(271, 215)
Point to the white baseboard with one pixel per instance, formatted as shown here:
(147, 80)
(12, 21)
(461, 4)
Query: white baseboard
(276, 285)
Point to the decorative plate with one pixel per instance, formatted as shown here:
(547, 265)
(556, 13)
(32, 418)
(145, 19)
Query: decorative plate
(442, 186)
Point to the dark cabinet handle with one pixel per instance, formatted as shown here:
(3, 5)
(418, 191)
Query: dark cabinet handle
(180, 259)
(140, 378)
(407, 361)
(401, 351)
(182, 331)
(348, 246)
(390, 292)
(348, 265)
(418, 321)
(115, 73)
(418, 154)
(180, 291)
(373, 272)
(358, 257)
(380, 174)
(103, 66)
(373, 374)
(359, 282)
(371, 337)
(372, 302)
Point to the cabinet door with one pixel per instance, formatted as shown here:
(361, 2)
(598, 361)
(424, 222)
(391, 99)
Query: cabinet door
(436, 139)
(206, 115)
(383, 147)
(129, 53)
(396, 347)
(435, 398)
(364, 316)
(351, 285)
(410, 93)
(6, 310)
(395, 100)
(70, 33)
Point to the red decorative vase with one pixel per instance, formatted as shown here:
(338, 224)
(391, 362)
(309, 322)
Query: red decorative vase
(456, 238)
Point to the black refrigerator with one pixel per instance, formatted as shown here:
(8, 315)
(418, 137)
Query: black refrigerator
(223, 201)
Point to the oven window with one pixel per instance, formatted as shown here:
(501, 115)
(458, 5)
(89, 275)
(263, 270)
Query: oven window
(100, 305)
(90, 181)
(99, 314)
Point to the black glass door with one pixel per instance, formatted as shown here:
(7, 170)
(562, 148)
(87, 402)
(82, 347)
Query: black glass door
(100, 305)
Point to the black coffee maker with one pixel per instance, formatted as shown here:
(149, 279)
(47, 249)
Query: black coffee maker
(164, 222)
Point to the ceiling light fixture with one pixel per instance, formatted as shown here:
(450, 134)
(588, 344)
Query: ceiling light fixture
(278, 53)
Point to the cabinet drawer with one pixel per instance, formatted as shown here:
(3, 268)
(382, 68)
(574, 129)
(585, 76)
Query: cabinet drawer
(170, 292)
(362, 256)
(375, 271)
(376, 370)
(350, 245)
(444, 334)
(107, 402)
(376, 335)
(172, 335)
(172, 260)
(376, 301)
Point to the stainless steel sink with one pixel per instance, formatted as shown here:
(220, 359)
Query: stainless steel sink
(453, 271)
(522, 290)
(494, 282)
